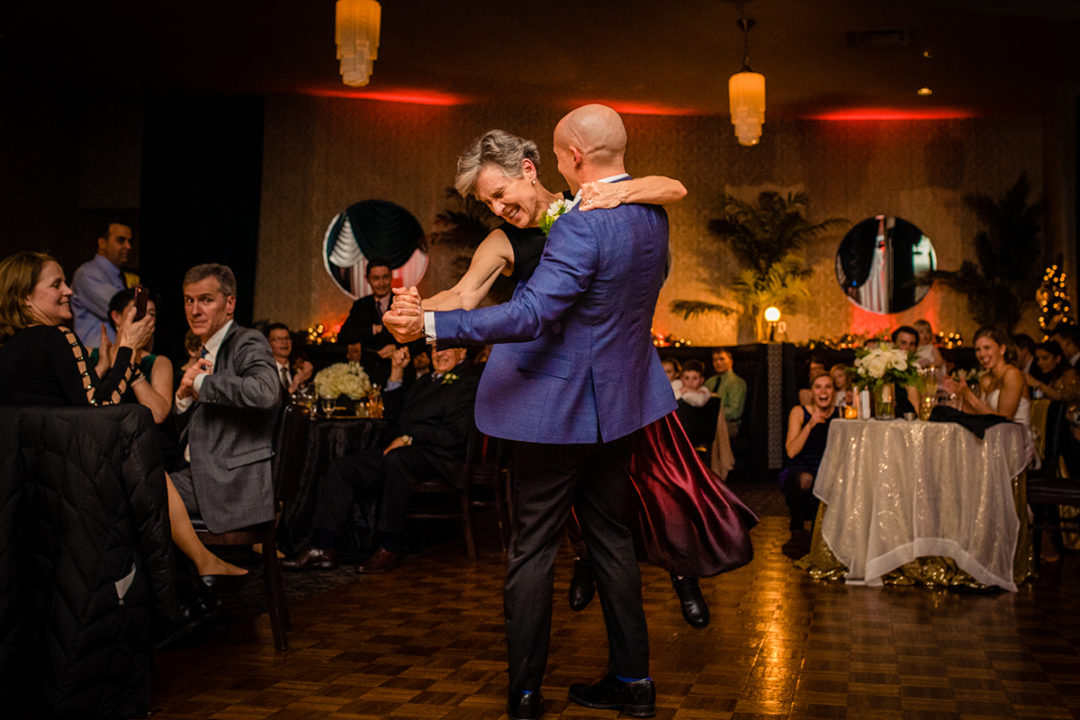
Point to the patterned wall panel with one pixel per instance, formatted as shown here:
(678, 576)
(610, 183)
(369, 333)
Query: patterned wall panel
(323, 154)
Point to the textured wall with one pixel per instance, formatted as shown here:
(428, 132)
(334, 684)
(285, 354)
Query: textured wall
(323, 154)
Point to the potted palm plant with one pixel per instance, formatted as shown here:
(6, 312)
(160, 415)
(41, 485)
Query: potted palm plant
(768, 238)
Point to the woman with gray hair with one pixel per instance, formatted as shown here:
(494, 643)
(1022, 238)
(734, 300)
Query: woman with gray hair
(500, 169)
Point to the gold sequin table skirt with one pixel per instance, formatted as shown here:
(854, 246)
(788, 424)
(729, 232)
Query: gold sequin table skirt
(906, 502)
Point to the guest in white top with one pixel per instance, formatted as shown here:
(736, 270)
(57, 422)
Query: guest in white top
(1003, 389)
(692, 390)
(929, 355)
(673, 370)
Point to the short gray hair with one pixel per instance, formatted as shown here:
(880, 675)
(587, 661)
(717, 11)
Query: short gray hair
(226, 279)
(499, 148)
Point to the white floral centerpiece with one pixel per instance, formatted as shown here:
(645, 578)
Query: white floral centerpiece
(342, 379)
(881, 368)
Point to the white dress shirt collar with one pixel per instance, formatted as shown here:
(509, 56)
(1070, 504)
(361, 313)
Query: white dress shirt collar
(211, 346)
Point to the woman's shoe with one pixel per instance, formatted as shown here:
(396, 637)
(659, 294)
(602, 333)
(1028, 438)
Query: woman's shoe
(582, 585)
(694, 608)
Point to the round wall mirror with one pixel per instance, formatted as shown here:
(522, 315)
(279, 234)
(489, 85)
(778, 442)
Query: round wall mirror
(884, 264)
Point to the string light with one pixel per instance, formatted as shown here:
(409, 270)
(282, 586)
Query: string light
(1054, 302)
(317, 334)
(669, 340)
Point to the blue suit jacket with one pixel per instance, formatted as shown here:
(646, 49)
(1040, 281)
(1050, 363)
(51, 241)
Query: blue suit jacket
(577, 364)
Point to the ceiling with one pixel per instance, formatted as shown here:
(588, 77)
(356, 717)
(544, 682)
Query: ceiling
(673, 56)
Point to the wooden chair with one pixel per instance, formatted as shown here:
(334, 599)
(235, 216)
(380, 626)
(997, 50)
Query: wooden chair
(1046, 489)
(485, 465)
(289, 449)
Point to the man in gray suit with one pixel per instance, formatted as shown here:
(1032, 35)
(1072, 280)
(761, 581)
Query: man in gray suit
(226, 404)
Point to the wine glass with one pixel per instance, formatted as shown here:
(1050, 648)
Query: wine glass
(328, 405)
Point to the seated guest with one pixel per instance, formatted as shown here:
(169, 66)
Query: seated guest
(816, 367)
(192, 346)
(845, 390)
(42, 362)
(421, 363)
(1003, 390)
(1062, 381)
(1025, 354)
(729, 387)
(354, 353)
(1068, 337)
(428, 427)
(906, 338)
(292, 372)
(226, 407)
(927, 349)
(157, 369)
(673, 370)
(364, 324)
(808, 429)
(692, 389)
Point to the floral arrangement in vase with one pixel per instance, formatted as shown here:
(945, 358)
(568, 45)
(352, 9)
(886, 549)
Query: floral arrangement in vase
(881, 369)
(347, 379)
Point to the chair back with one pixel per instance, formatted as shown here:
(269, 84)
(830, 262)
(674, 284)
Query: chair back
(290, 451)
(1053, 437)
(1039, 408)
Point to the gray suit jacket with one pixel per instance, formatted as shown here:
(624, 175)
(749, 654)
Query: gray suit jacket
(230, 432)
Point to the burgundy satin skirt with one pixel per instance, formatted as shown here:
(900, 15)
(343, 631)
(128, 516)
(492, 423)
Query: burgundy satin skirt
(689, 522)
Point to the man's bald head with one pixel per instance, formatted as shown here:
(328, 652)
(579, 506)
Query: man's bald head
(590, 143)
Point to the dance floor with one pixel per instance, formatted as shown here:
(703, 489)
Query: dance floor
(426, 641)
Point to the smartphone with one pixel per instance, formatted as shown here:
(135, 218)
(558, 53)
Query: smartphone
(141, 296)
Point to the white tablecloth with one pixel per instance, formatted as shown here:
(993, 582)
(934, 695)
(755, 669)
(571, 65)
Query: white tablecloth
(898, 490)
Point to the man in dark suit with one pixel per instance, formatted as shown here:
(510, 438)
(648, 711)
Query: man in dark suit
(226, 402)
(573, 339)
(364, 324)
(426, 437)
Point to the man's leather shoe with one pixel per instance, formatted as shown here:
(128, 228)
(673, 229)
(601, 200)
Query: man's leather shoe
(380, 561)
(637, 699)
(525, 706)
(312, 558)
(582, 585)
(694, 608)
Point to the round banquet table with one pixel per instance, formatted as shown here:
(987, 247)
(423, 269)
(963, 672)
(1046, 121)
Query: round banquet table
(898, 491)
(328, 439)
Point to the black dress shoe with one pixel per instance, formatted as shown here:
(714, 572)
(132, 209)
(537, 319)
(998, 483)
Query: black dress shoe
(525, 706)
(582, 585)
(312, 558)
(637, 699)
(694, 608)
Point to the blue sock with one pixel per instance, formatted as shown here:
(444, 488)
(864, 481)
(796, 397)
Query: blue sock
(631, 680)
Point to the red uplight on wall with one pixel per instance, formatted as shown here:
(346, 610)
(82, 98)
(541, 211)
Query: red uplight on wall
(631, 108)
(892, 114)
(411, 97)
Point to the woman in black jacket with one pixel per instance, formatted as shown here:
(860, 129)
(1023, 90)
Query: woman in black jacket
(42, 362)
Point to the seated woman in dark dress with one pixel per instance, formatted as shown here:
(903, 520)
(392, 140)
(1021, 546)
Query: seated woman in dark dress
(808, 429)
(42, 362)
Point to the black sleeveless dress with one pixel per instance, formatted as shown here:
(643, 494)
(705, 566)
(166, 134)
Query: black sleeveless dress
(689, 522)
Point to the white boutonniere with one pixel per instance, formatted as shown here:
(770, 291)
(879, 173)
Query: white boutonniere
(449, 378)
(555, 209)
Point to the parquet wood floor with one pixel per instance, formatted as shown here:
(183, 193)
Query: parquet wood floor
(426, 642)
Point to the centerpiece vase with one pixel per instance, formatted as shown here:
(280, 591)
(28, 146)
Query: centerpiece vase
(884, 400)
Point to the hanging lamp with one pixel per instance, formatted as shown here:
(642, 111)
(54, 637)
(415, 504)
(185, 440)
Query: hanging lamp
(356, 32)
(746, 92)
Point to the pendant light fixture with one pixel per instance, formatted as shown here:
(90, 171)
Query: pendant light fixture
(356, 33)
(746, 92)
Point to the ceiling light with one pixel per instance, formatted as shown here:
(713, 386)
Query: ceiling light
(924, 91)
(357, 37)
(746, 92)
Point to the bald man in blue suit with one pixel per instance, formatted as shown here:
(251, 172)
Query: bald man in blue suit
(572, 381)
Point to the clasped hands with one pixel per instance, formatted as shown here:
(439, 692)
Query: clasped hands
(405, 318)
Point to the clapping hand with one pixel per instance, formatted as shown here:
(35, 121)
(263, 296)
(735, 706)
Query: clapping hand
(405, 318)
(187, 382)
